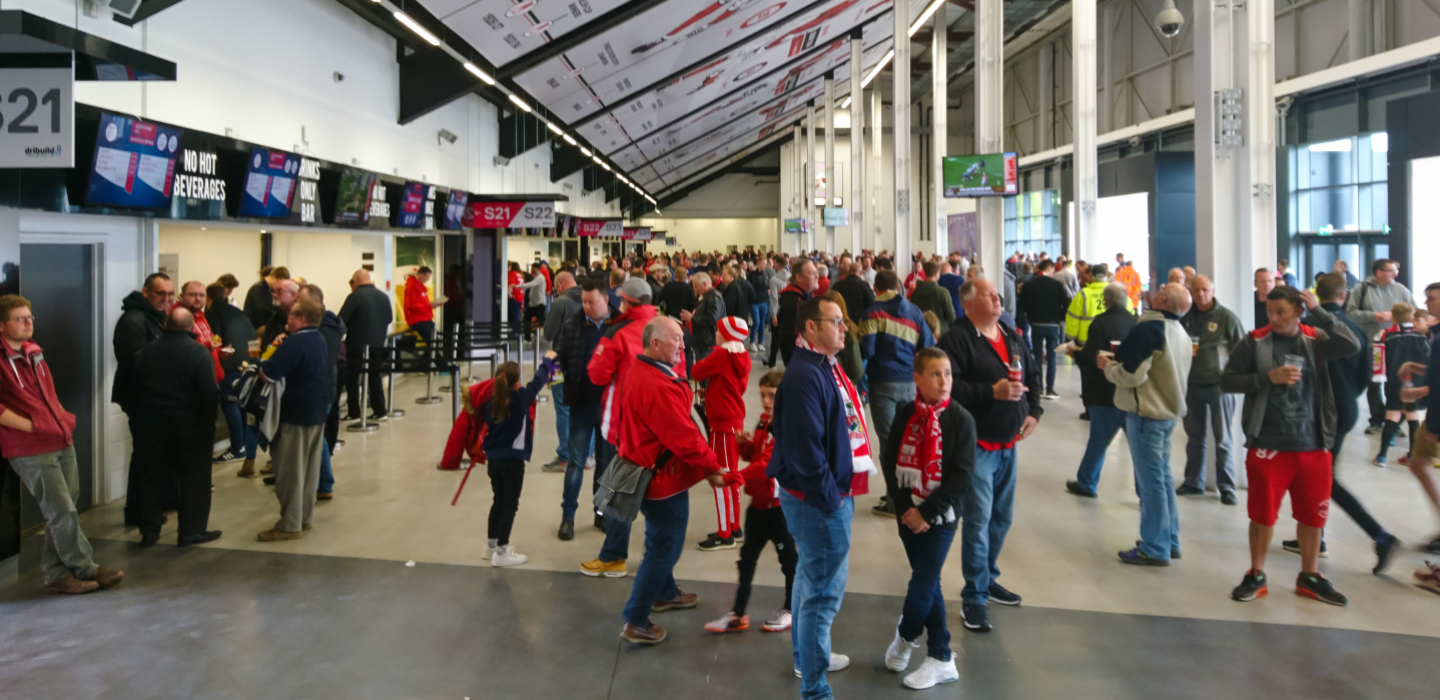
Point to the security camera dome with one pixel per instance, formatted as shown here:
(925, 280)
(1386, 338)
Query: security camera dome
(1169, 21)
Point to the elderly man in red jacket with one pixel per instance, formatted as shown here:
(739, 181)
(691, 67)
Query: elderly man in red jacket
(37, 436)
(658, 431)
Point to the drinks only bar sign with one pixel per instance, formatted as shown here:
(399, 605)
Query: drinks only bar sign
(306, 209)
(37, 111)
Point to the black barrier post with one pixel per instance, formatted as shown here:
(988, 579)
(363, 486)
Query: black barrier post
(364, 426)
(394, 353)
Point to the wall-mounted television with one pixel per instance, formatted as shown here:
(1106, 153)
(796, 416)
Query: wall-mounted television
(352, 199)
(412, 205)
(796, 226)
(987, 175)
(835, 216)
(269, 184)
(134, 164)
(456, 211)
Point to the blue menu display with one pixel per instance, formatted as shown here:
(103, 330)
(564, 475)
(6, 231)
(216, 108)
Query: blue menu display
(134, 164)
(269, 184)
(412, 205)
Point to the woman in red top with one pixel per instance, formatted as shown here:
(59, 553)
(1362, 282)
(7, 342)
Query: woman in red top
(517, 296)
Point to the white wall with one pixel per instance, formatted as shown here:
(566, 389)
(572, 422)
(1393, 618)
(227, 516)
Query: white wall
(714, 234)
(1424, 220)
(207, 254)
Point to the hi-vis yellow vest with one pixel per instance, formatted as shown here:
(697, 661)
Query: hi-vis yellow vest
(1088, 303)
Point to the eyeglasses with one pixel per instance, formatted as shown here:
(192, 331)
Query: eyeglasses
(836, 322)
(25, 319)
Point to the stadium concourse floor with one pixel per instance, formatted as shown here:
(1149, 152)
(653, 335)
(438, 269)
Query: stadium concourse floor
(339, 614)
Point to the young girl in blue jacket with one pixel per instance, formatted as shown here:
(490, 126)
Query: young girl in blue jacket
(510, 419)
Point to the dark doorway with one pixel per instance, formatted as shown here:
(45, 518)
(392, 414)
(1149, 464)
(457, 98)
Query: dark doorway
(59, 281)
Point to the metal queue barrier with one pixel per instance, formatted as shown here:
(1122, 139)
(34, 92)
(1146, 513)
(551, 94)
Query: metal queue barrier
(393, 359)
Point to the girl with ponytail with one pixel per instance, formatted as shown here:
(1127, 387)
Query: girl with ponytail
(510, 436)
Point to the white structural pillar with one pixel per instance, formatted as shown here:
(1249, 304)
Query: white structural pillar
(831, 167)
(857, 144)
(1234, 146)
(939, 74)
(1046, 66)
(877, 149)
(900, 106)
(1082, 26)
(989, 128)
(810, 179)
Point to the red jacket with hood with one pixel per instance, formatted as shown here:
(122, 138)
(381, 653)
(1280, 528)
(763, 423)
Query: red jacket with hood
(613, 358)
(656, 406)
(728, 373)
(27, 388)
(417, 302)
(763, 490)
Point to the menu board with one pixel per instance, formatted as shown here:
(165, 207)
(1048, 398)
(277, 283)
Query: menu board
(270, 184)
(455, 212)
(134, 164)
(352, 200)
(412, 205)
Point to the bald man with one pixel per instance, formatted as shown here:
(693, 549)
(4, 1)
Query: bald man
(567, 305)
(1150, 371)
(367, 314)
(1215, 331)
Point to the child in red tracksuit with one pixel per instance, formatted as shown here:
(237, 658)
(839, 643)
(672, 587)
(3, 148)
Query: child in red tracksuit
(764, 521)
(726, 371)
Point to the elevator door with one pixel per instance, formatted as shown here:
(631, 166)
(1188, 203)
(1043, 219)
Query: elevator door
(59, 281)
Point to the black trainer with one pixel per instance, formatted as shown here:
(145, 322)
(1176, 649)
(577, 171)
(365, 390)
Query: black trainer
(1173, 553)
(1294, 547)
(1188, 490)
(1228, 498)
(886, 510)
(738, 534)
(1252, 587)
(715, 543)
(1385, 553)
(974, 618)
(1318, 587)
(1075, 488)
(227, 456)
(1002, 595)
(1138, 557)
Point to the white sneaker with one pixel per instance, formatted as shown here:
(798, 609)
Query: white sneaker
(838, 662)
(897, 657)
(507, 556)
(779, 622)
(933, 672)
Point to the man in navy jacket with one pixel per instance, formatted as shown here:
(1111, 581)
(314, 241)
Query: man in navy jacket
(812, 461)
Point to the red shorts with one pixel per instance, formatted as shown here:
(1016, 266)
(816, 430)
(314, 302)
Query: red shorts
(1306, 475)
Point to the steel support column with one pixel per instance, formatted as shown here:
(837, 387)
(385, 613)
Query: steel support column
(857, 144)
(900, 107)
(877, 148)
(1260, 128)
(990, 128)
(1082, 27)
(1358, 12)
(1046, 64)
(811, 178)
(831, 167)
(939, 74)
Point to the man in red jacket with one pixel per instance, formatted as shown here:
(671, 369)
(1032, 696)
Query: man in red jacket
(613, 358)
(36, 435)
(658, 431)
(419, 310)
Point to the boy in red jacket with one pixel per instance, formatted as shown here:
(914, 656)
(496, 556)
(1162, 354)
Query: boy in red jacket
(763, 519)
(727, 371)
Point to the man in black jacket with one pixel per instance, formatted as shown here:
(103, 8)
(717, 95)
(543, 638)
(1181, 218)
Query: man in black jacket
(367, 314)
(1043, 302)
(174, 428)
(709, 309)
(141, 323)
(803, 282)
(678, 296)
(235, 332)
(1096, 392)
(736, 292)
(857, 293)
(259, 302)
(578, 339)
(984, 356)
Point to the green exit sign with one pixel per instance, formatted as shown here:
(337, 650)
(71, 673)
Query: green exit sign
(1327, 230)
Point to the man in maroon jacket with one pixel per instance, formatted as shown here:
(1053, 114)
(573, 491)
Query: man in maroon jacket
(657, 421)
(36, 435)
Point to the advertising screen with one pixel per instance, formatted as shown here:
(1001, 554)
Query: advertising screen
(455, 217)
(989, 175)
(269, 184)
(134, 164)
(352, 202)
(795, 226)
(412, 205)
(835, 216)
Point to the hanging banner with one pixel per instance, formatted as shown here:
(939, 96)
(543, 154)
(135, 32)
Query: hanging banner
(609, 228)
(636, 233)
(513, 214)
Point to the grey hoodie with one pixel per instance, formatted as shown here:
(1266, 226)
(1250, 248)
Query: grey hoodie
(1369, 297)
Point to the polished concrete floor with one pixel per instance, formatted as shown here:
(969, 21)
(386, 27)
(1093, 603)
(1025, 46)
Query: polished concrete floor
(339, 612)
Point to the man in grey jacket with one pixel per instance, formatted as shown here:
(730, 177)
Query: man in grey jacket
(1369, 307)
(1150, 371)
(1214, 331)
(566, 305)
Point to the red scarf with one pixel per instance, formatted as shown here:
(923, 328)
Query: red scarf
(918, 465)
(854, 417)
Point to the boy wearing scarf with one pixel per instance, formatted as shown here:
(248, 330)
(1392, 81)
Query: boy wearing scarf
(927, 464)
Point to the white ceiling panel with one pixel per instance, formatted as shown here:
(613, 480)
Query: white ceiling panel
(503, 30)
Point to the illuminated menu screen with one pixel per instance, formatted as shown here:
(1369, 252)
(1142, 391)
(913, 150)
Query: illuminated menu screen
(270, 184)
(134, 164)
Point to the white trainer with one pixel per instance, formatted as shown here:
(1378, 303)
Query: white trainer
(507, 556)
(838, 662)
(779, 622)
(932, 673)
(897, 657)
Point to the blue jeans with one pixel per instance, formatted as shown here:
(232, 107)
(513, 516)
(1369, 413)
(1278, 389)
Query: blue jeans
(759, 319)
(1105, 421)
(989, 508)
(327, 477)
(1150, 452)
(562, 422)
(884, 398)
(584, 432)
(665, 522)
(1046, 338)
(823, 543)
(240, 441)
(924, 599)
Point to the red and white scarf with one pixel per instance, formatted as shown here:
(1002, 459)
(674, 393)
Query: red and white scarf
(854, 417)
(918, 465)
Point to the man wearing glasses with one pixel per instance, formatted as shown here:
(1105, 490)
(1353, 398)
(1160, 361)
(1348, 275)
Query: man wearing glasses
(1369, 307)
(141, 323)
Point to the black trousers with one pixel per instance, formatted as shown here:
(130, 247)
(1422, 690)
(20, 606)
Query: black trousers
(507, 478)
(355, 364)
(1374, 395)
(1347, 415)
(173, 452)
(762, 527)
(787, 347)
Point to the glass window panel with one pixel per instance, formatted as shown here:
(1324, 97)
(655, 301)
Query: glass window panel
(1330, 168)
(1379, 205)
(1333, 207)
(1302, 218)
(1364, 160)
(1365, 214)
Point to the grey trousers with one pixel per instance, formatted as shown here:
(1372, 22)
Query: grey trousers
(1206, 406)
(54, 481)
(297, 473)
